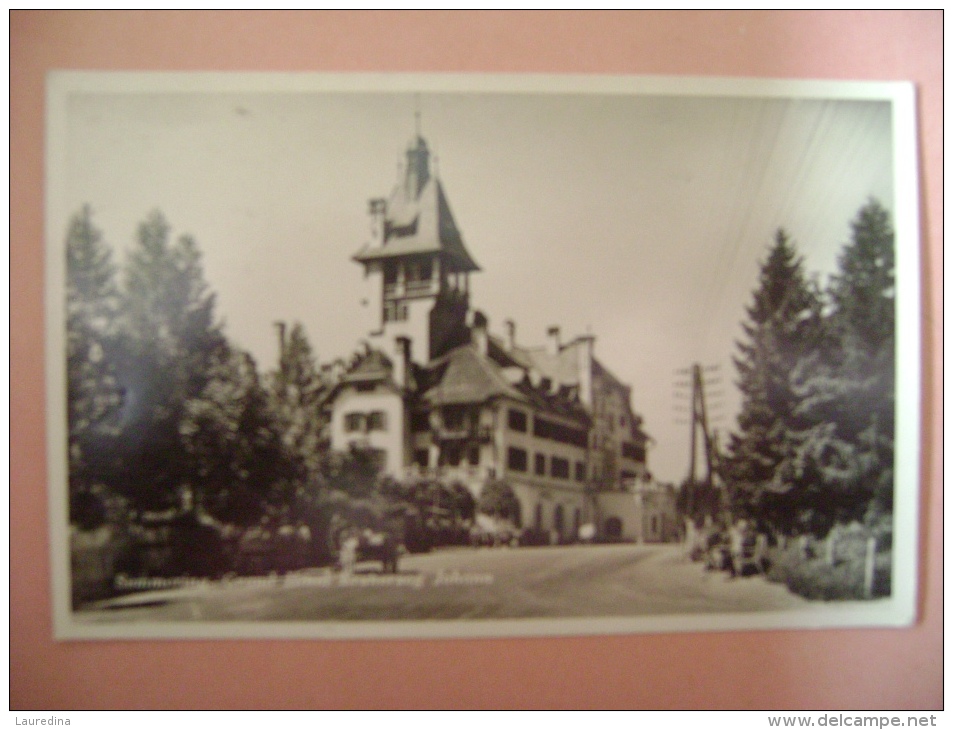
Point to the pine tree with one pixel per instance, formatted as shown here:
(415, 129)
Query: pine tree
(845, 449)
(864, 304)
(783, 325)
(93, 395)
(297, 391)
(170, 345)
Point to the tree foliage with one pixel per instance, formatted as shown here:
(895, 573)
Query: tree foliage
(170, 346)
(297, 392)
(93, 393)
(843, 455)
(162, 409)
(783, 325)
(499, 500)
(354, 472)
(230, 435)
(814, 445)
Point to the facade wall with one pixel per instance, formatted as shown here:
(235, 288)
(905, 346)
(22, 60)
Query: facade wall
(612, 421)
(543, 496)
(540, 508)
(465, 454)
(368, 314)
(560, 488)
(388, 437)
(415, 326)
(643, 516)
(623, 509)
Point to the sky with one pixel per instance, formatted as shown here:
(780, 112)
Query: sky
(640, 218)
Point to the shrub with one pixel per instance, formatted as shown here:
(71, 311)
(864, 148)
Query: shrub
(813, 578)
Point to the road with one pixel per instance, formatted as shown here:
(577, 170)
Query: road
(463, 583)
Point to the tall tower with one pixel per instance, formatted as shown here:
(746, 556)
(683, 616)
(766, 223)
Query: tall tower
(416, 263)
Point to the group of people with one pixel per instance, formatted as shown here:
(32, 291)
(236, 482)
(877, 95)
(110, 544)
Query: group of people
(734, 547)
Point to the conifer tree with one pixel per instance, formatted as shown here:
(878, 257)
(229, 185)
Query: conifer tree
(93, 395)
(297, 390)
(783, 324)
(844, 452)
(170, 345)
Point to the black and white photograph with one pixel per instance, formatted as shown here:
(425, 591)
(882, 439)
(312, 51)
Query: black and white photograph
(348, 356)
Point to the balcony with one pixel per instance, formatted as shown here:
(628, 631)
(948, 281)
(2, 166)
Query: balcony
(464, 432)
(417, 288)
(424, 287)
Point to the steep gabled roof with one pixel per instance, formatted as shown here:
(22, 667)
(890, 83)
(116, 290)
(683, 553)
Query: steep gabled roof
(464, 376)
(374, 366)
(418, 220)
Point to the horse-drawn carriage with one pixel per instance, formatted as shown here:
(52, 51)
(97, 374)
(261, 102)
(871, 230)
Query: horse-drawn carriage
(359, 535)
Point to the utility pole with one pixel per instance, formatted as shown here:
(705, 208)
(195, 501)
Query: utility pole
(700, 431)
(700, 424)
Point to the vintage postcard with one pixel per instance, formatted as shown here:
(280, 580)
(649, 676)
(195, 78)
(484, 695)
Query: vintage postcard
(342, 356)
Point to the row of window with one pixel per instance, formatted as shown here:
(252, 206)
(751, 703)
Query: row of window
(413, 272)
(633, 451)
(559, 468)
(395, 312)
(365, 422)
(453, 455)
(543, 428)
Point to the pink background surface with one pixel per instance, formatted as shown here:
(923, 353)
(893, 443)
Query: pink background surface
(847, 669)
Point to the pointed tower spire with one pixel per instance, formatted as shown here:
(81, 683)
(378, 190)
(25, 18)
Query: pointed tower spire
(417, 173)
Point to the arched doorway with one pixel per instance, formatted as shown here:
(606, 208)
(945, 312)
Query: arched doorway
(613, 529)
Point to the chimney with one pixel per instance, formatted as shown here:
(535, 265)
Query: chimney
(552, 340)
(401, 371)
(584, 364)
(510, 335)
(478, 333)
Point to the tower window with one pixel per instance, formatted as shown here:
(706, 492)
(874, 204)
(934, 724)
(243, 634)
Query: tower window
(395, 312)
(377, 421)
